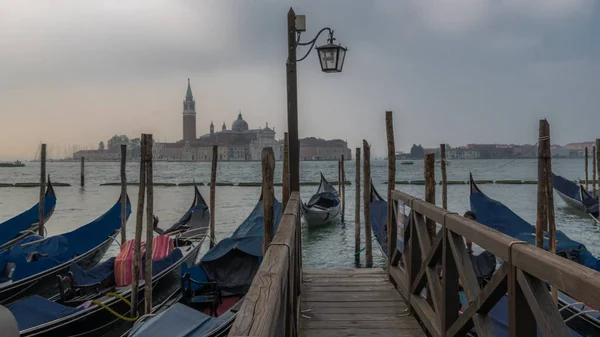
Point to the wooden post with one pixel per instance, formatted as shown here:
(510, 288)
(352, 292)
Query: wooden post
(444, 176)
(42, 190)
(430, 190)
(594, 171)
(123, 194)
(391, 145)
(138, 230)
(547, 159)
(82, 174)
(367, 203)
(343, 186)
(292, 103)
(542, 206)
(268, 168)
(587, 187)
(598, 164)
(285, 176)
(149, 227)
(357, 207)
(213, 182)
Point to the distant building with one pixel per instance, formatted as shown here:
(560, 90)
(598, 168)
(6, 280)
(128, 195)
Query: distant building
(320, 149)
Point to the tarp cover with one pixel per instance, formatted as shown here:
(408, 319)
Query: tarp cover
(590, 203)
(189, 323)
(200, 212)
(495, 215)
(35, 310)
(233, 262)
(566, 187)
(11, 228)
(378, 218)
(55, 250)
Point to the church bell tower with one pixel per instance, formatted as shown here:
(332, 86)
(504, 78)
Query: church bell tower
(189, 115)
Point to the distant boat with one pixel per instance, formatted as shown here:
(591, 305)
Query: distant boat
(17, 163)
(406, 162)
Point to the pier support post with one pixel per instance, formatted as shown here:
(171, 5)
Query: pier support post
(292, 103)
(343, 186)
(587, 186)
(430, 190)
(123, 193)
(594, 176)
(545, 145)
(598, 164)
(149, 226)
(367, 204)
(357, 208)
(82, 174)
(444, 176)
(268, 170)
(285, 176)
(138, 230)
(542, 206)
(213, 182)
(391, 146)
(42, 190)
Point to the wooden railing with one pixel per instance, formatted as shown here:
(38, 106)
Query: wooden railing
(523, 276)
(271, 306)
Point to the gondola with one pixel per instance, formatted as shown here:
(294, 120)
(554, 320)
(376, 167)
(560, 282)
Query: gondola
(31, 265)
(26, 223)
(491, 213)
(93, 302)
(324, 206)
(571, 193)
(212, 291)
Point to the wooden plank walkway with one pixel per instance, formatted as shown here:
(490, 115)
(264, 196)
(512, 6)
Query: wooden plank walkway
(353, 302)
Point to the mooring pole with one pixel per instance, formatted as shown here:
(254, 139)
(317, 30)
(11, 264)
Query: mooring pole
(430, 190)
(285, 176)
(367, 203)
(547, 160)
(292, 106)
(357, 208)
(138, 230)
(42, 190)
(213, 182)
(587, 187)
(82, 174)
(149, 226)
(444, 176)
(268, 170)
(123, 193)
(391, 147)
(541, 224)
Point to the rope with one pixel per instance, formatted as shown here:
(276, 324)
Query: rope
(115, 295)
(541, 139)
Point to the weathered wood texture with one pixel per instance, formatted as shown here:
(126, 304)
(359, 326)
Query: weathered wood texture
(551, 223)
(357, 207)
(587, 186)
(138, 230)
(594, 171)
(42, 190)
(444, 176)
(353, 302)
(268, 195)
(430, 189)
(367, 204)
(598, 164)
(542, 197)
(123, 193)
(285, 175)
(149, 226)
(391, 146)
(213, 180)
(523, 275)
(82, 173)
(271, 305)
(342, 186)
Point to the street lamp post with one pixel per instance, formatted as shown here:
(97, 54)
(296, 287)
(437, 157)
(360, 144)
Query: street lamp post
(331, 58)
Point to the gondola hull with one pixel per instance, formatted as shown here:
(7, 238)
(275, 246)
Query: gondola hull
(571, 203)
(98, 321)
(43, 283)
(319, 216)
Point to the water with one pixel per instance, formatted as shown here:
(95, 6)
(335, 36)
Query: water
(326, 247)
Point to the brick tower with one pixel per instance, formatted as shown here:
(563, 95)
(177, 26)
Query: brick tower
(189, 115)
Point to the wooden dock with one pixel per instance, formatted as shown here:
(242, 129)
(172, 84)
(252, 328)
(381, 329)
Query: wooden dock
(353, 302)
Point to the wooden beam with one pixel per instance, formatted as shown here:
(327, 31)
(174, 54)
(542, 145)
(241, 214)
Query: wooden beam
(444, 177)
(367, 204)
(123, 193)
(551, 224)
(42, 190)
(213, 181)
(268, 167)
(149, 226)
(391, 146)
(138, 230)
(542, 199)
(587, 187)
(285, 176)
(82, 172)
(357, 207)
(430, 190)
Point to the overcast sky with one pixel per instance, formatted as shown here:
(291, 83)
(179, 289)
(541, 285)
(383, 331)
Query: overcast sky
(461, 71)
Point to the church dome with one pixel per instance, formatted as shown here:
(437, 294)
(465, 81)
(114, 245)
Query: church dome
(239, 124)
